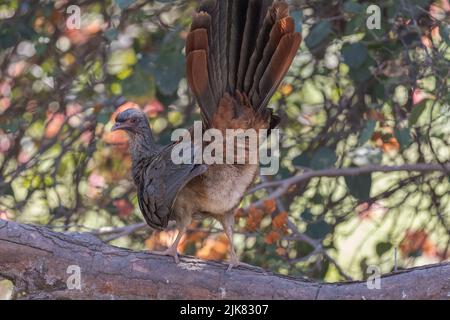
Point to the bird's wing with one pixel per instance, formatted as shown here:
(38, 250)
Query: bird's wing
(237, 53)
(159, 181)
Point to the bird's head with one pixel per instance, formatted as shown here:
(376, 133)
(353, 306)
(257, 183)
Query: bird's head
(135, 123)
(132, 121)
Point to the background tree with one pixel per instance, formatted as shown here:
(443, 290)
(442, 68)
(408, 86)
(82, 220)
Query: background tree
(364, 176)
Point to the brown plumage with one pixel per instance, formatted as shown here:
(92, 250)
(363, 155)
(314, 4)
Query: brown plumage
(237, 53)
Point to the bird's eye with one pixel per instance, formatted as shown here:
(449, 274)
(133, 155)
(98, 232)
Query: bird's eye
(133, 120)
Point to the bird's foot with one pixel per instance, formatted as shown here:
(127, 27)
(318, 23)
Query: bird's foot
(169, 252)
(234, 263)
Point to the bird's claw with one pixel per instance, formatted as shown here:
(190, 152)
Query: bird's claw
(231, 266)
(237, 263)
(234, 263)
(169, 253)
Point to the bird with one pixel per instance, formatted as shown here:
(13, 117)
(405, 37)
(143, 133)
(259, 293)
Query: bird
(237, 54)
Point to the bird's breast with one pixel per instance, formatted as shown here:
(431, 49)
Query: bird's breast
(222, 187)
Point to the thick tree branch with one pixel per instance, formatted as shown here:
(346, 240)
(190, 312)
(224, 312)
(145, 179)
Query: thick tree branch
(36, 259)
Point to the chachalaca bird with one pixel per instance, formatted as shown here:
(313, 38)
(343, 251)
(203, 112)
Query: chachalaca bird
(237, 53)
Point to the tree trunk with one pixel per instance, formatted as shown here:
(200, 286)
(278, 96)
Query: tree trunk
(44, 264)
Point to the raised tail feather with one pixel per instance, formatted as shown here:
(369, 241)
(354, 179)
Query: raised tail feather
(239, 48)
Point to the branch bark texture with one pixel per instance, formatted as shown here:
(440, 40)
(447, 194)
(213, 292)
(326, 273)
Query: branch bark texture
(38, 262)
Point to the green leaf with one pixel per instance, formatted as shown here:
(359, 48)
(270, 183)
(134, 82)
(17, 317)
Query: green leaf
(318, 229)
(7, 190)
(444, 31)
(403, 137)
(8, 38)
(111, 34)
(379, 91)
(383, 247)
(362, 73)
(48, 181)
(36, 182)
(318, 33)
(41, 48)
(355, 54)
(367, 132)
(307, 215)
(352, 7)
(284, 173)
(363, 265)
(171, 70)
(123, 4)
(318, 198)
(139, 84)
(167, 66)
(63, 167)
(121, 61)
(103, 116)
(356, 24)
(303, 248)
(416, 113)
(359, 186)
(13, 125)
(323, 158)
(297, 15)
(302, 160)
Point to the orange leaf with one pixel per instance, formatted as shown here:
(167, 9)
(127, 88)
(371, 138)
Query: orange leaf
(281, 251)
(161, 240)
(387, 142)
(270, 206)
(376, 136)
(391, 144)
(254, 218)
(279, 222)
(4, 215)
(196, 236)
(286, 89)
(417, 240)
(376, 115)
(153, 108)
(214, 249)
(272, 237)
(54, 125)
(239, 213)
(116, 138)
(124, 207)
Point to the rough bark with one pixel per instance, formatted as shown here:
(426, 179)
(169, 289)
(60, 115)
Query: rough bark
(36, 259)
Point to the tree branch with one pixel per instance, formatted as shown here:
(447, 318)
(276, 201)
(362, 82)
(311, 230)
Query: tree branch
(36, 259)
(345, 172)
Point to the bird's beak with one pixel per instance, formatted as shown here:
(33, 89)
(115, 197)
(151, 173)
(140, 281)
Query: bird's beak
(117, 126)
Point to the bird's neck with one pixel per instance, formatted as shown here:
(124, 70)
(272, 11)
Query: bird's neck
(142, 145)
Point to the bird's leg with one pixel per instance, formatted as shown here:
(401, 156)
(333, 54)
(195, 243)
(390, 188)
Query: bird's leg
(227, 223)
(172, 250)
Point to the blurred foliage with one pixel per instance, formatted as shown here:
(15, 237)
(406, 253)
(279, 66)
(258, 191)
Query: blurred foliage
(354, 97)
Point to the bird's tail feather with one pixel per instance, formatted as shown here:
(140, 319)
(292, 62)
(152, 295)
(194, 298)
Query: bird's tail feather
(244, 46)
